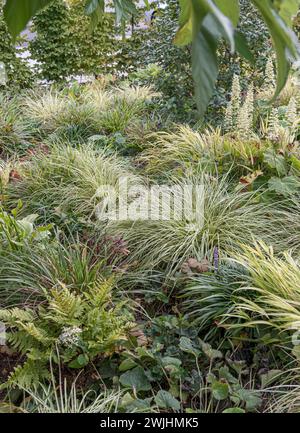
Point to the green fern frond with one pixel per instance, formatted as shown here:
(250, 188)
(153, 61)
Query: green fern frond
(37, 333)
(20, 341)
(100, 292)
(28, 374)
(64, 303)
(13, 315)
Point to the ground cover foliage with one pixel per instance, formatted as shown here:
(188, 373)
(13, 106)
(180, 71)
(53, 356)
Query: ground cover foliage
(152, 315)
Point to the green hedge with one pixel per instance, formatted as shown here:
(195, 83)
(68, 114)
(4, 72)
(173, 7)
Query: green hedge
(66, 45)
(17, 71)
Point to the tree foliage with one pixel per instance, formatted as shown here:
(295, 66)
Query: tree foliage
(202, 23)
(65, 45)
(17, 73)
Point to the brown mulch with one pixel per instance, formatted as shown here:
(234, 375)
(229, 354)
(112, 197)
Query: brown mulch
(8, 361)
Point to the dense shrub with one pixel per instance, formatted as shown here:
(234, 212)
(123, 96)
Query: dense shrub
(175, 80)
(66, 45)
(17, 72)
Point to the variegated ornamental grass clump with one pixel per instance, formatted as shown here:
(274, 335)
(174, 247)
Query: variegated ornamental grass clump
(15, 132)
(254, 288)
(67, 180)
(229, 218)
(98, 108)
(271, 296)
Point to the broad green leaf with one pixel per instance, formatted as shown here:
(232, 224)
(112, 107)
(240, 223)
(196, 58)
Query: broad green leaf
(92, 6)
(241, 47)
(192, 12)
(286, 186)
(169, 360)
(184, 36)
(186, 10)
(144, 353)
(165, 400)
(124, 9)
(204, 68)
(140, 405)
(284, 41)
(287, 9)
(132, 404)
(251, 398)
(276, 161)
(171, 365)
(224, 373)
(18, 13)
(95, 9)
(234, 410)
(135, 379)
(220, 390)
(209, 351)
(269, 377)
(127, 364)
(225, 25)
(79, 362)
(127, 399)
(186, 345)
(230, 8)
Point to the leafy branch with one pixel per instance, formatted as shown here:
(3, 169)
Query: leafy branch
(202, 23)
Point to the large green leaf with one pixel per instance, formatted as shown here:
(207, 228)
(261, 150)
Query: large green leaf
(276, 161)
(205, 24)
(204, 67)
(186, 10)
(95, 9)
(230, 8)
(242, 47)
(286, 186)
(234, 410)
(220, 390)
(284, 41)
(226, 27)
(165, 400)
(135, 379)
(193, 13)
(287, 9)
(18, 13)
(202, 22)
(124, 9)
(251, 398)
(186, 345)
